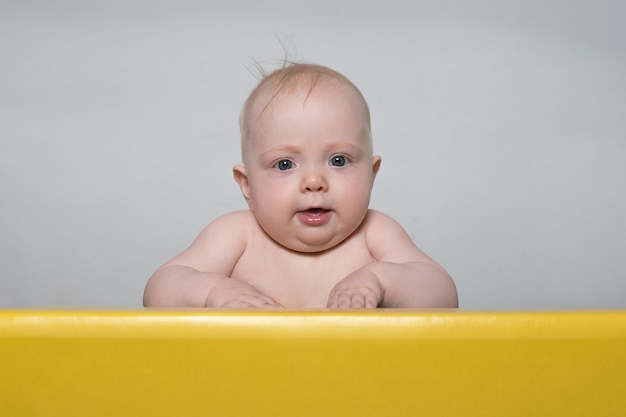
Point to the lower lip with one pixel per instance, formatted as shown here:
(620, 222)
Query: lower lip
(316, 218)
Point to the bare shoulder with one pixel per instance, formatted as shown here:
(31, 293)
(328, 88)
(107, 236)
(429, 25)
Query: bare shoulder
(227, 229)
(221, 242)
(379, 222)
(237, 219)
(387, 239)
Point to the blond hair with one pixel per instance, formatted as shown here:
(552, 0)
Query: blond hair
(288, 78)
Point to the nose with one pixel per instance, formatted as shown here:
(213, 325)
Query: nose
(314, 181)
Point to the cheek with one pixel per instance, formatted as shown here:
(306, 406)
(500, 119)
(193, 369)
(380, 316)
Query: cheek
(358, 184)
(362, 191)
(266, 196)
(256, 195)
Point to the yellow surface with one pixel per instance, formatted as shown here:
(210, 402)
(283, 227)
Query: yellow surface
(312, 363)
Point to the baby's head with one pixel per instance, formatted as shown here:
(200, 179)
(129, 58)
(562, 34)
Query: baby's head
(288, 79)
(308, 163)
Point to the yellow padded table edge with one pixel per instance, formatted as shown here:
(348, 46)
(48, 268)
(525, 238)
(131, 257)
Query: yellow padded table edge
(311, 363)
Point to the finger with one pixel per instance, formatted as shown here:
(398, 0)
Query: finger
(237, 304)
(357, 301)
(266, 302)
(245, 304)
(333, 301)
(263, 301)
(343, 300)
(371, 301)
(253, 301)
(273, 303)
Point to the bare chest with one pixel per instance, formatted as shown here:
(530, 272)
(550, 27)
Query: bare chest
(299, 280)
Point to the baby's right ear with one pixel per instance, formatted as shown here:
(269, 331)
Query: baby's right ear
(241, 177)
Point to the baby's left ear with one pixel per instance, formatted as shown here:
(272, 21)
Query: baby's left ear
(376, 160)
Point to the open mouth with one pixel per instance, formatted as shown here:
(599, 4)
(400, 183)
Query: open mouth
(314, 216)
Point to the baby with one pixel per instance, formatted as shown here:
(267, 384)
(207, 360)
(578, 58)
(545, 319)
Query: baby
(309, 239)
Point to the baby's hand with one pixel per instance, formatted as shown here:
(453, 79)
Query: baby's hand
(361, 289)
(233, 293)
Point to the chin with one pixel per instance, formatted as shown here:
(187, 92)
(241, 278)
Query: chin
(312, 246)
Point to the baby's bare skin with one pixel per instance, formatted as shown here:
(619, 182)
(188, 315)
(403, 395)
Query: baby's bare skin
(296, 279)
(252, 270)
(309, 239)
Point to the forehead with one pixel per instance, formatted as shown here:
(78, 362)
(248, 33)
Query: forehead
(326, 107)
(323, 120)
(305, 82)
(304, 86)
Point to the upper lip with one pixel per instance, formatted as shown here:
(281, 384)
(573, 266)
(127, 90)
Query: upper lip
(314, 209)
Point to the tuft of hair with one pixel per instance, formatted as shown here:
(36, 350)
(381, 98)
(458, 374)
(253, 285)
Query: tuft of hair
(291, 76)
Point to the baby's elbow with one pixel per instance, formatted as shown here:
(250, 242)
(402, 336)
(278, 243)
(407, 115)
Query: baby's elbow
(448, 296)
(439, 289)
(151, 293)
(148, 296)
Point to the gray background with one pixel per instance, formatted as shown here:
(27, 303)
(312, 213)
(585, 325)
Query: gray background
(501, 125)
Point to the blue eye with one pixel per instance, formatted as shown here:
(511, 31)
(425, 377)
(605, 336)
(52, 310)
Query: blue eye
(283, 165)
(338, 161)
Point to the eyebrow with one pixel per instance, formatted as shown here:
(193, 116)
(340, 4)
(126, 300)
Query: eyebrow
(281, 149)
(287, 148)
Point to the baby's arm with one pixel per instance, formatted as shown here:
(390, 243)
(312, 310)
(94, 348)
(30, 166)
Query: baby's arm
(402, 276)
(199, 276)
